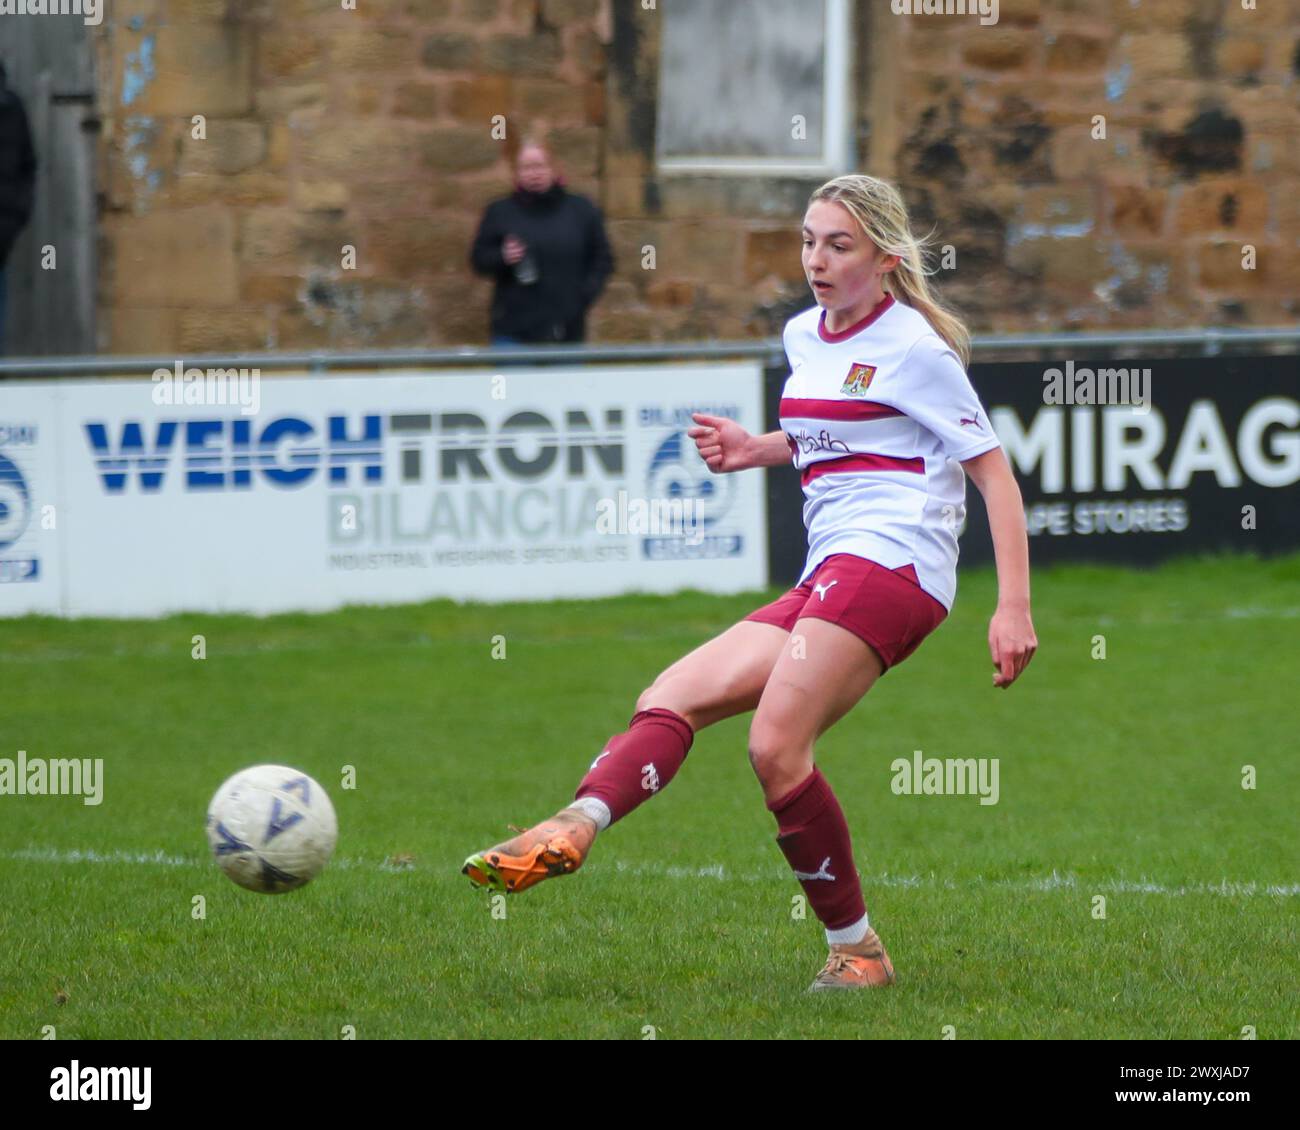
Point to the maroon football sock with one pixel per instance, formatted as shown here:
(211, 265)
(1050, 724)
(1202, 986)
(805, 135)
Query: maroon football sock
(639, 762)
(814, 836)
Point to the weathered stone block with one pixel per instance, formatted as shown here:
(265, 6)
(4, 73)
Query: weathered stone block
(223, 331)
(321, 196)
(267, 235)
(184, 257)
(773, 252)
(477, 101)
(557, 102)
(1223, 204)
(536, 55)
(1219, 266)
(184, 68)
(417, 100)
(1073, 51)
(454, 150)
(999, 49)
(557, 13)
(670, 293)
(451, 51)
(143, 330)
(370, 50)
(230, 146)
(1156, 55)
(1136, 210)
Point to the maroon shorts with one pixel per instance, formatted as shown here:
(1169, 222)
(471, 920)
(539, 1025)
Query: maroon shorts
(887, 608)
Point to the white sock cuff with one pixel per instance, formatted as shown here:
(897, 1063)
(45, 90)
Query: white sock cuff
(597, 809)
(849, 935)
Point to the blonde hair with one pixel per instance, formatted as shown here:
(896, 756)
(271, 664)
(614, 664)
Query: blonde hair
(878, 208)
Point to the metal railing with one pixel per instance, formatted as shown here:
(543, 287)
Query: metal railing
(1206, 342)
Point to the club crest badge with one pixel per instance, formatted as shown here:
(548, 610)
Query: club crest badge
(859, 378)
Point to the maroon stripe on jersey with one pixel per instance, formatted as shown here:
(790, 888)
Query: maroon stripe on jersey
(864, 462)
(836, 409)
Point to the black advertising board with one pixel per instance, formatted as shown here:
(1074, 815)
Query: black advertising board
(1122, 461)
(1211, 460)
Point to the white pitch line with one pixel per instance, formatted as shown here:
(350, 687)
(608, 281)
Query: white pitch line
(54, 855)
(147, 858)
(717, 871)
(1051, 882)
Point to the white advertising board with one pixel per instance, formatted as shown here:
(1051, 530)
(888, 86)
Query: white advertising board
(529, 484)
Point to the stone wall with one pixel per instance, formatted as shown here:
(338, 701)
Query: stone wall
(327, 127)
(1059, 228)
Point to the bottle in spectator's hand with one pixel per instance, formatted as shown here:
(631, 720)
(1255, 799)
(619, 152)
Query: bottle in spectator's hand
(521, 261)
(526, 272)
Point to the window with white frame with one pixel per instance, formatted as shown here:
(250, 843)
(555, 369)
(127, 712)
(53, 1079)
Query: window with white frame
(755, 87)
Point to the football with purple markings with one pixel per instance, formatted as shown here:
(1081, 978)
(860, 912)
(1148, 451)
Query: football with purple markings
(271, 828)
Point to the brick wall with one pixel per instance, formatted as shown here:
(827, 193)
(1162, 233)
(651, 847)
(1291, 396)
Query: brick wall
(328, 127)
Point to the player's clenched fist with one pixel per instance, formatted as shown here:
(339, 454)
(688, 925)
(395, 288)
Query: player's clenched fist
(722, 443)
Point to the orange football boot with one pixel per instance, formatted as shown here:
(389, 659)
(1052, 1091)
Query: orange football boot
(865, 965)
(554, 847)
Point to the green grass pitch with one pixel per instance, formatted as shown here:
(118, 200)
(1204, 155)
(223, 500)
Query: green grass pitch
(1119, 777)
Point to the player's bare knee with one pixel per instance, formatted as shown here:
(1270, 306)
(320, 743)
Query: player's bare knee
(646, 699)
(667, 694)
(766, 753)
(779, 759)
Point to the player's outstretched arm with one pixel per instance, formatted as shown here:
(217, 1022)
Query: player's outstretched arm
(1011, 632)
(725, 446)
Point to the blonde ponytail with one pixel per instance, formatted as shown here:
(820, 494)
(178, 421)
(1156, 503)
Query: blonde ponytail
(879, 210)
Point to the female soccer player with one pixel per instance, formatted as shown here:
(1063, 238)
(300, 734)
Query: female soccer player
(880, 419)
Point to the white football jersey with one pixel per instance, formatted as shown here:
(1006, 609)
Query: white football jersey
(878, 417)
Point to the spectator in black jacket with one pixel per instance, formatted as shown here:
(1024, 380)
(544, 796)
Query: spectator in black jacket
(17, 181)
(547, 250)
